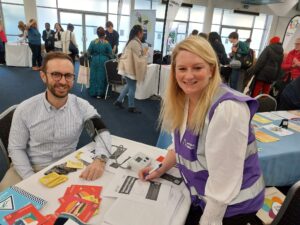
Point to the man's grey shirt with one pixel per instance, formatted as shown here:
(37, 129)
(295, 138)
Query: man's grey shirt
(40, 134)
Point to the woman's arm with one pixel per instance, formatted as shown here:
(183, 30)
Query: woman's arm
(226, 144)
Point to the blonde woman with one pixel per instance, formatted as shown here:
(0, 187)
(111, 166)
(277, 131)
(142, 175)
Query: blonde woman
(34, 40)
(213, 144)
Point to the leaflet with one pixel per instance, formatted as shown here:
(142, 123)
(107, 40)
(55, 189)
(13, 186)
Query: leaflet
(285, 114)
(270, 116)
(131, 187)
(261, 119)
(264, 137)
(278, 130)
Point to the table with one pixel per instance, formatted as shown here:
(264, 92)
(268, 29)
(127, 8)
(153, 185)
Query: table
(32, 184)
(148, 87)
(280, 160)
(17, 54)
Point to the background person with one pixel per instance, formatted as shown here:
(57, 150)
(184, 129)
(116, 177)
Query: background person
(3, 40)
(133, 66)
(290, 96)
(291, 64)
(24, 34)
(34, 40)
(267, 68)
(48, 38)
(100, 51)
(112, 36)
(238, 50)
(57, 37)
(66, 38)
(47, 127)
(214, 145)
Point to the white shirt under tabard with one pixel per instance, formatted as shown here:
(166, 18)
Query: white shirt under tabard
(226, 144)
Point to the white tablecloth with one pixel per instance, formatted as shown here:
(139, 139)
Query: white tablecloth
(51, 195)
(164, 78)
(18, 55)
(148, 87)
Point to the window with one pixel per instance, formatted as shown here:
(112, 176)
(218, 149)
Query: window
(142, 4)
(197, 14)
(158, 35)
(89, 5)
(182, 14)
(247, 26)
(12, 14)
(46, 3)
(239, 20)
(160, 9)
(14, 1)
(124, 32)
(46, 15)
(113, 6)
(126, 7)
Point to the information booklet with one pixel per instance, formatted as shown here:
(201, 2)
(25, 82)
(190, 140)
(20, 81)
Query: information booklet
(14, 198)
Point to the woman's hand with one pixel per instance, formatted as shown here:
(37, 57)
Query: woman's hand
(144, 173)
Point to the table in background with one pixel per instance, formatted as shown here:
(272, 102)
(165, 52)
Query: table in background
(280, 160)
(148, 87)
(17, 54)
(51, 195)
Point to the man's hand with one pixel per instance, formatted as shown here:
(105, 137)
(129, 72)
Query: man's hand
(234, 49)
(94, 170)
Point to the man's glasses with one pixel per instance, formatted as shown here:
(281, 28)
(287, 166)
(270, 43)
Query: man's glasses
(57, 76)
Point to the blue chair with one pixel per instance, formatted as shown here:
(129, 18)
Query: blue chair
(164, 140)
(5, 123)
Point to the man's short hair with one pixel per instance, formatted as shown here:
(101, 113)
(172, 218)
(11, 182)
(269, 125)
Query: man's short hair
(109, 24)
(233, 35)
(54, 55)
(195, 32)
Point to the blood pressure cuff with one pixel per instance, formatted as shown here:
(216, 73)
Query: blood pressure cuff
(94, 126)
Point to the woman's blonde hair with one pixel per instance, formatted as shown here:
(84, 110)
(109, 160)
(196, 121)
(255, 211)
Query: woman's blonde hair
(172, 110)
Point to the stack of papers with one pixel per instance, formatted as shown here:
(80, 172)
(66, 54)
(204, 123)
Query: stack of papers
(144, 202)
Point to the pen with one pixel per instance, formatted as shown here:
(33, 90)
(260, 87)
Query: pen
(155, 168)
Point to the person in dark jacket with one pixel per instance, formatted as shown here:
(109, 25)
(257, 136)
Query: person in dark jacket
(239, 49)
(216, 42)
(112, 36)
(48, 38)
(267, 68)
(290, 97)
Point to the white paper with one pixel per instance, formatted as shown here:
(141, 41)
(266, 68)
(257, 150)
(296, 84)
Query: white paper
(138, 213)
(131, 187)
(285, 114)
(270, 116)
(278, 130)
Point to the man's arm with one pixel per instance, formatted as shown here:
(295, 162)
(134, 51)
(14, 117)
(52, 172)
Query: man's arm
(100, 134)
(18, 141)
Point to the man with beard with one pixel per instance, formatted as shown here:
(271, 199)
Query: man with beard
(46, 127)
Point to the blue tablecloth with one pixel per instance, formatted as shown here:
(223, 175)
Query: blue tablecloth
(280, 160)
